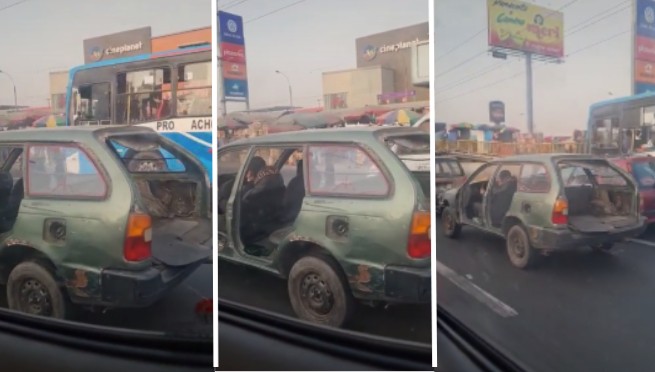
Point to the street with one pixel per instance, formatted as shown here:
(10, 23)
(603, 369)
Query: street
(255, 288)
(577, 311)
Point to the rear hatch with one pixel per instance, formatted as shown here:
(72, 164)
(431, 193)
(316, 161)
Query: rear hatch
(413, 150)
(173, 189)
(600, 197)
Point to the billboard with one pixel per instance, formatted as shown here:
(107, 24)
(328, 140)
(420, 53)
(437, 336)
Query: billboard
(497, 112)
(518, 25)
(644, 47)
(232, 46)
(122, 44)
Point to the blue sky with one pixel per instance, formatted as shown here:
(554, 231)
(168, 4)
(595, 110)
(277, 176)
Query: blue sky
(39, 36)
(562, 92)
(309, 38)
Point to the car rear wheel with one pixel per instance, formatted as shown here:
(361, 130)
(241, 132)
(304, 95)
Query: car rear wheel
(32, 289)
(318, 292)
(521, 253)
(451, 228)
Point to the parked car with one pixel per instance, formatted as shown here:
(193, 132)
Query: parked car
(449, 173)
(545, 203)
(335, 212)
(80, 227)
(642, 169)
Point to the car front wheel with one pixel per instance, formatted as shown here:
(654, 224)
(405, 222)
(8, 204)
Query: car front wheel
(318, 293)
(451, 228)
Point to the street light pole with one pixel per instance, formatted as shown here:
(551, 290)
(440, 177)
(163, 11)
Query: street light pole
(289, 83)
(14, 84)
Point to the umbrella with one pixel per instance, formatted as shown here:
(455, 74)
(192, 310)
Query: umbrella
(50, 121)
(461, 126)
(308, 120)
(402, 117)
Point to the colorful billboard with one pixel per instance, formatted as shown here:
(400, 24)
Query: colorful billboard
(233, 56)
(644, 47)
(525, 27)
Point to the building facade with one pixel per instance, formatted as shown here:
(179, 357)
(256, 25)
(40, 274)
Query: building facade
(387, 70)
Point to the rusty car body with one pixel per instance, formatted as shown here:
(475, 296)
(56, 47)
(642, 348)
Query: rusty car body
(341, 217)
(81, 228)
(545, 203)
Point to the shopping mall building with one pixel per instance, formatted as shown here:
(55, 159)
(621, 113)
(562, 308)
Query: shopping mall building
(392, 67)
(124, 44)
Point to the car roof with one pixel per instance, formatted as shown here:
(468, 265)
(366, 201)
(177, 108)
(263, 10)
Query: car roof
(68, 134)
(326, 135)
(541, 158)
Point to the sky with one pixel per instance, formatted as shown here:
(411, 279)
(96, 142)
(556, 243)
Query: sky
(597, 37)
(40, 36)
(309, 38)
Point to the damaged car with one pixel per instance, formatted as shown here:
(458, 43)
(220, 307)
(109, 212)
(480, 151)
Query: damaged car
(84, 226)
(546, 203)
(343, 215)
(449, 174)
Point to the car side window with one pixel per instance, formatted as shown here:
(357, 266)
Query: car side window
(344, 170)
(63, 171)
(534, 179)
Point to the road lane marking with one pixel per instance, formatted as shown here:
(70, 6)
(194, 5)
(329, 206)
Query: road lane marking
(498, 306)
(641, 241)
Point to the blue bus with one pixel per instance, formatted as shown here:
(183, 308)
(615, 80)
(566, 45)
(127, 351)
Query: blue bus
(169, 92)
(621, 125)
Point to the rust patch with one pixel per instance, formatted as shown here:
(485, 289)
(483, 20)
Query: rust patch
(79, 283)
(361, 280)
(11, 242)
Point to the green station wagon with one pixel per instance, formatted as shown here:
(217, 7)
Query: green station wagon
(81, 225)
(545, 203)
(335, 212)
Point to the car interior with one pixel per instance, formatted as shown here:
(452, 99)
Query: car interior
(11, 192)
(501, 195)
(269, 203)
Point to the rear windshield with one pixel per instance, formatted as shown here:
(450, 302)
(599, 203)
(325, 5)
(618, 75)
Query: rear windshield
(448, 168)
(146, 153)
(644, 173)
(414, 144)
(590, 173)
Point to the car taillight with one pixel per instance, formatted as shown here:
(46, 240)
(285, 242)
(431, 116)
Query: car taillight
(418, 245)
(560, 214)
(138, 237)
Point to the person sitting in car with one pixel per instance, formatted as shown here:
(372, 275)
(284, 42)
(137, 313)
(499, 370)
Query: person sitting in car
(501, 196)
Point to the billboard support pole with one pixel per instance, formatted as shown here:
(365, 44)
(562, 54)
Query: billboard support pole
(528, 71)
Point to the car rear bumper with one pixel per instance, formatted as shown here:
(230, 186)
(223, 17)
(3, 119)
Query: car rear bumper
(555, 239)
(407, 284)
(122, 288)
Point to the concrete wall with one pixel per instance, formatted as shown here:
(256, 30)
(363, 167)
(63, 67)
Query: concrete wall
(179, 39)
(361, 86)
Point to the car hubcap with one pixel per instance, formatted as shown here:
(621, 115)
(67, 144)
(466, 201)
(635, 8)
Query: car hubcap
(34, 298)
(316, 294)
(518, 248)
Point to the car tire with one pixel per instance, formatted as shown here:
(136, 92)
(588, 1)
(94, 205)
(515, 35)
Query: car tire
(451, 229)
(602, 248)
(519, 250)
(41, 286)
(137, 161)
(333, 304)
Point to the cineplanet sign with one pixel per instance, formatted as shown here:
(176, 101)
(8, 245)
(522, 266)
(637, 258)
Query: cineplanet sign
(389, 48)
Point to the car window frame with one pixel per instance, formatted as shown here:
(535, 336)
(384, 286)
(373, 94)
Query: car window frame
(384, 171)
(102, 172)
(550, 178)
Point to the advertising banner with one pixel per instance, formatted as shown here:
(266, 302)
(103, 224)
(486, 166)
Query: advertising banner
(525, 27)
(497, 112)
(118, 45)
(233, 56)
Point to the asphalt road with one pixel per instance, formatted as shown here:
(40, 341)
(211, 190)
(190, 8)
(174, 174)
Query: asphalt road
(578, 311)
(255, 288)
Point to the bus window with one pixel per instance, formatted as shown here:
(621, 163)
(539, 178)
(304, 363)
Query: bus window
(194, 89)
(93, 104)
(143, 96)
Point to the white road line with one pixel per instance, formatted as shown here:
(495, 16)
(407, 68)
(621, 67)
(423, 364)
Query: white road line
(498, 306)
(641, 241)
